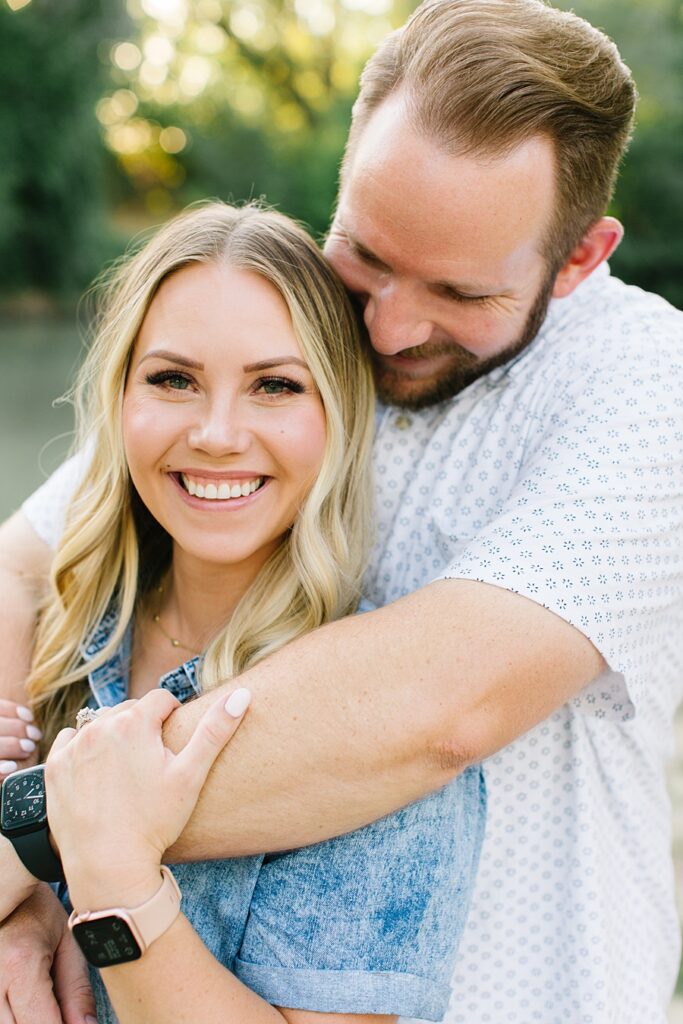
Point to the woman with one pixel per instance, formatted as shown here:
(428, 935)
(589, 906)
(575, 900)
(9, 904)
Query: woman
(228, 406)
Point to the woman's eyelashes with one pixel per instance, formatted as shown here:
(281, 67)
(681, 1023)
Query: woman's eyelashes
(174, 380)
(171, 379)
(278, 386)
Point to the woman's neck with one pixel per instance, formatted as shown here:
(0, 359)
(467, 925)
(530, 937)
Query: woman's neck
(198, 598)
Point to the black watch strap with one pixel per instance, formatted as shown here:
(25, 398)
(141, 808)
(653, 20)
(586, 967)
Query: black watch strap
(36, 853)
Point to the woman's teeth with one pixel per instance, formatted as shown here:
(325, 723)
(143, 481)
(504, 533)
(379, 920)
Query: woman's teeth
(223, 491)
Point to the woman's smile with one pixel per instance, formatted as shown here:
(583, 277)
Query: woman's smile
(219, 492)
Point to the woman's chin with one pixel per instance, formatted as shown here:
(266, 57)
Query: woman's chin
(221, 554)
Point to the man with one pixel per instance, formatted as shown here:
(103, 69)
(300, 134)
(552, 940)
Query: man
(530, 514)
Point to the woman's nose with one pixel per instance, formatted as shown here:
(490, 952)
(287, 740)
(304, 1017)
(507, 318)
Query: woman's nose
(395, 320)
(220, 429)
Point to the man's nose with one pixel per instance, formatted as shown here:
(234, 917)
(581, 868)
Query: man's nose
(394, 318)
(221, 428)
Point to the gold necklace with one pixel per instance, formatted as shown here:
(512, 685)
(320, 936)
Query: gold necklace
(173, 640)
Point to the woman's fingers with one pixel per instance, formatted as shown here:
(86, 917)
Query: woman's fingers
(215, 728)
(10, 709)
(62, 739)
(15, 727)
(18, 735)
(157, 705)
(15, 750)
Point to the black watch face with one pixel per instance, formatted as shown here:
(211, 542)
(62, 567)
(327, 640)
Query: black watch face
(107, 942)
(23, 800)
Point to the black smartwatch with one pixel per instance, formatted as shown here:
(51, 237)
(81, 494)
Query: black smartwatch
(23, 820)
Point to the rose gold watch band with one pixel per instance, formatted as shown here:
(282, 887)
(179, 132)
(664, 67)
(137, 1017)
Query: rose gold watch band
(148, 921)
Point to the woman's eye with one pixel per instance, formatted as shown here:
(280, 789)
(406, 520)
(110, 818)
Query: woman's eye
(169, 378)
(278, 386)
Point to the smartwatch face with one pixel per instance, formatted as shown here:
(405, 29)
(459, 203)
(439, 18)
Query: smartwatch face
(23, 800)
(107, 941)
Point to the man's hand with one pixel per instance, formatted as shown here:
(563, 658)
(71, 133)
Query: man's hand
(43, 976)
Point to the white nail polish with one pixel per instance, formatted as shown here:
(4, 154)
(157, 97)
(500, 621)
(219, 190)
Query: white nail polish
(238, 702)
(7, 767)
(24, 713)
(27, 745)
(33, 732)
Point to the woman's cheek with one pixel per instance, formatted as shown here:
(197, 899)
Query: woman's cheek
(305, 442)
(146, 439)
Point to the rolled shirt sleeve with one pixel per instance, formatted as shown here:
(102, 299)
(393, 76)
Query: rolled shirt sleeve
(369, 922)
(593, 528)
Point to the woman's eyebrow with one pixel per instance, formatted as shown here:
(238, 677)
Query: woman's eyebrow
(173, 357)
(192, 364)
(268, 364)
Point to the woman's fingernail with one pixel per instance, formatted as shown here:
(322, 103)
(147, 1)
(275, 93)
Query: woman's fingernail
(90, 1020)
(33, 732)
(24, 713)
(27, 745)
(238, 702)
(7, 767)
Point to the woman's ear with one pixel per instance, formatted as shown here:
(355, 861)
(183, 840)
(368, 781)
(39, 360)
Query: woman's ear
(595, 247)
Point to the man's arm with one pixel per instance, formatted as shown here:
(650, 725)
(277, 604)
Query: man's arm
(24, 565)
(370, 713)
(357, 719)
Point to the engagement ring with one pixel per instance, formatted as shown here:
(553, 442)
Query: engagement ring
(86, 715)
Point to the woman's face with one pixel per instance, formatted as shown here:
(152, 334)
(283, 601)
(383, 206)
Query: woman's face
(224, 428)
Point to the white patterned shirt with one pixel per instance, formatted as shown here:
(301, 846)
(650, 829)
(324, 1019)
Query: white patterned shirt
(559, 477)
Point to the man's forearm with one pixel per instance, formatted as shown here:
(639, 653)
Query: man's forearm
(24, 564)
(370, 713)
(17, 881)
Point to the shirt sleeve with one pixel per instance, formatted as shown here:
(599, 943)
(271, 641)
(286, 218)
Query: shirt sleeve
(46, 508)
(369, 922)
(593, 528)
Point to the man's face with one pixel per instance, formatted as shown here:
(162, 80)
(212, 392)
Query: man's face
(444, 255)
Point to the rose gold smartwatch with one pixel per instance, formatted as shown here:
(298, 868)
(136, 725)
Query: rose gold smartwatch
(109, 937)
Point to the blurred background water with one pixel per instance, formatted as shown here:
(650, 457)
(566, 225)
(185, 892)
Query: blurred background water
(117, 114)
(38, 356)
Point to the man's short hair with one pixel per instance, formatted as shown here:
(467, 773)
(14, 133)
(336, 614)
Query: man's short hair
(482, 76)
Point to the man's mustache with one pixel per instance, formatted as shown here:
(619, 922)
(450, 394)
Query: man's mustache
(459, 356)
(431, 349)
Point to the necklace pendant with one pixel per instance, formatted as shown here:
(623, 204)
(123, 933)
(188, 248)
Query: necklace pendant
(176, 643)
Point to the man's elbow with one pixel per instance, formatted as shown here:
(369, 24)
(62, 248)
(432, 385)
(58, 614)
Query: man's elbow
(470, 733)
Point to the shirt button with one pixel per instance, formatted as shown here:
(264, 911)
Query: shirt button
(403, 422)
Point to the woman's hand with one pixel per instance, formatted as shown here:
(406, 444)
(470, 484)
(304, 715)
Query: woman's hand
(117, 798)
(18, 737)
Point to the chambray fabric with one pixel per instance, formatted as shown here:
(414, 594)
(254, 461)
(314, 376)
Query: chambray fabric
(365, 923)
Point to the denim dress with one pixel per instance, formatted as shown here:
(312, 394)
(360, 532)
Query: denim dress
(365, 923)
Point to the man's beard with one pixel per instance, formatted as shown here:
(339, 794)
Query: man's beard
(395, 388)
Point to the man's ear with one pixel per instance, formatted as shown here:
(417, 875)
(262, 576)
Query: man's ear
(595, 247)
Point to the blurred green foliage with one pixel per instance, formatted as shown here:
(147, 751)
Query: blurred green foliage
(649, 197)
(117, 115)
(51, 189)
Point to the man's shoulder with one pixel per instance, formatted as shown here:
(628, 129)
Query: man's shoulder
(605, 330)
(606, 307)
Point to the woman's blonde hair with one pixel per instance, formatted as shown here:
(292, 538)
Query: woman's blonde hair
(113, 550)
